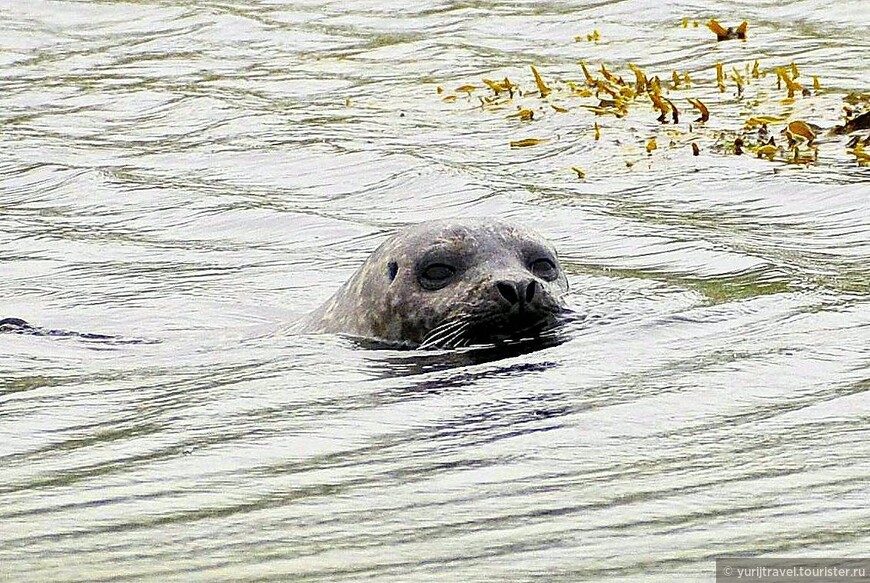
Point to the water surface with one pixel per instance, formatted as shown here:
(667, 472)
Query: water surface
(198, 175)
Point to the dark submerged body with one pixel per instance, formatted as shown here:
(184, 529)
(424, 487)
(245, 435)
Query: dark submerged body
(19, 326)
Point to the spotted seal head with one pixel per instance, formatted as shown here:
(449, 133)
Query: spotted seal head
(450, 283)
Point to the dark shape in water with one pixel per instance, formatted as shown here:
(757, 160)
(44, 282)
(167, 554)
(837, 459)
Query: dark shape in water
(19, 326)
(860, 122)
(730, 33)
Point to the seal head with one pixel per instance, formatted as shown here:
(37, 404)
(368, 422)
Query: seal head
(450, 283)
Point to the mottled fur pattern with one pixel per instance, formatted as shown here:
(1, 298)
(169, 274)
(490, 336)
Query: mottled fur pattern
(386, 300)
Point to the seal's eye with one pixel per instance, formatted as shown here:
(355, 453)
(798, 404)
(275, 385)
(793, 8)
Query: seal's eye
(392, 270)
(545, 269)
(436, 275)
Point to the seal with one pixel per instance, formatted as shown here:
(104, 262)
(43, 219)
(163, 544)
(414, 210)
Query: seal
(14, 325)
(447, 284)
(19, 326)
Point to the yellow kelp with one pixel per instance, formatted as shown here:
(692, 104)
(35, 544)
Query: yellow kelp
(800, 128)
(729, 33)
(720, 77)
(528, 142)
(542, 87)
(702, 109)
(524, 114)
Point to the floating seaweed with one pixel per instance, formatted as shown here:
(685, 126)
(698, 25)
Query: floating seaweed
(593, 36)
(856, 98)
(801, 128)
(675, 113)
(764, 120)
(524, 114)
(730, 33)
(738, 79)
(605, 92)
(767, 151)
(640, 78)
(528, 142)
(720, 78)
(501, 86)
(661, 105)
(859, 122)
(590, 80)
(702, 109)
(542, 87)
(862, 156)
(790, 84)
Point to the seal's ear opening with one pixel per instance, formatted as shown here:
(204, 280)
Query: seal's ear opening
(392, 270)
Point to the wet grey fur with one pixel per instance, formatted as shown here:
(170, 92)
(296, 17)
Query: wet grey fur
(493, 294)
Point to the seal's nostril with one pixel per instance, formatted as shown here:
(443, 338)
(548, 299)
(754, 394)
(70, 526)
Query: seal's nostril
(530, 291)
(508, 292)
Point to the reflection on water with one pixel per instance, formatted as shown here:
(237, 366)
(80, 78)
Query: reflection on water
(198, 176)
(403, 362)
(421, 362)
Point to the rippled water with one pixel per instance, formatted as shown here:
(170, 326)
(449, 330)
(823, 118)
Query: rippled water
(198, 175)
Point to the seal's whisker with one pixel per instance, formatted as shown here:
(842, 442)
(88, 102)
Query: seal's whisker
(446, 326)
(435, 340)
(449, 341)
(449, 338)
(443, 331)
(457, 337)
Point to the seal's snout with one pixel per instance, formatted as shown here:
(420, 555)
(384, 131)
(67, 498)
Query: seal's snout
(531, 289)
(518, 292)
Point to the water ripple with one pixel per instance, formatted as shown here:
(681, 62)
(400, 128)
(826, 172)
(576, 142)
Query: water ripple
(200, 175)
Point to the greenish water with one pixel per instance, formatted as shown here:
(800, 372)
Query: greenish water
(199, 175)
